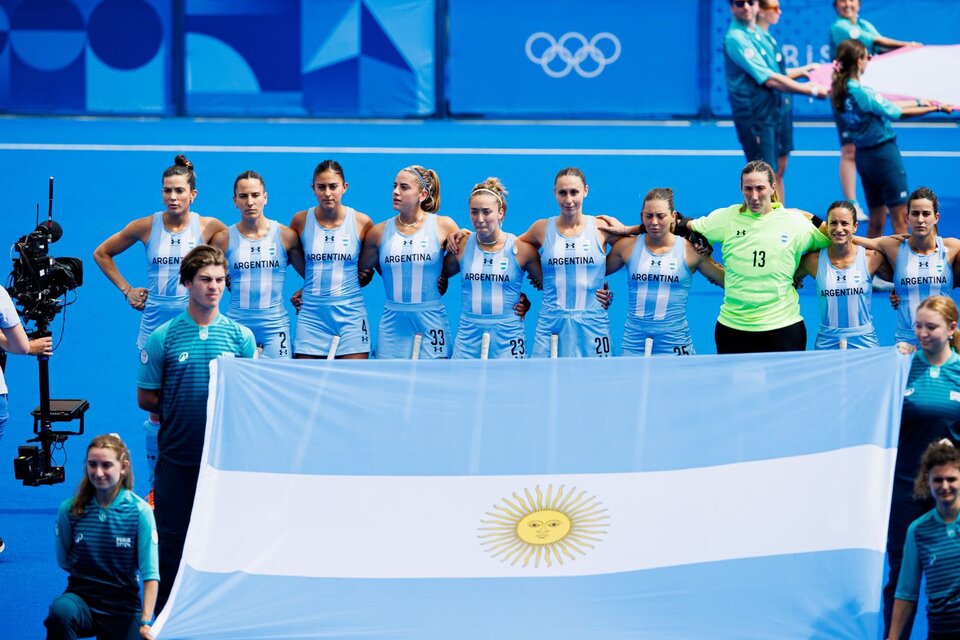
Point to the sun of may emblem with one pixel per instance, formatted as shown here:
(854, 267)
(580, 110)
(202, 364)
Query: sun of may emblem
(543, 528)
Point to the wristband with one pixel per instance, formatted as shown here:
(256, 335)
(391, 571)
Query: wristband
(919, 102)
(699, 241)
(816, 221)
(127, 291)
(148, 623)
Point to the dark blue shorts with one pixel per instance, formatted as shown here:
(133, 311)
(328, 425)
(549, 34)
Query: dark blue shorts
(882, 174)
(758, 139)
(842, 132)
(785, 128)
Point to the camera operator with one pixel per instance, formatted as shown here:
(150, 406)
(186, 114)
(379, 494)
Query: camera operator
(13, 339)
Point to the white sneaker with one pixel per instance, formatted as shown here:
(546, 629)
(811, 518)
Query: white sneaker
(861, 216)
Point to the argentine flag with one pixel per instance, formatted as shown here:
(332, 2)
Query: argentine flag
(705, 497)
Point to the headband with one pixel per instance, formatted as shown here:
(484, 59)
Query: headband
(491, 192)
(413, 170)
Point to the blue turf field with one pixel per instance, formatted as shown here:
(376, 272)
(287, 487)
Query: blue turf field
(108, 172)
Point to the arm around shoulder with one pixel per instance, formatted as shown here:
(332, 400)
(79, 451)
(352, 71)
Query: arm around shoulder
(705, 264)
(887, 246)
(370, 250)
(291, 244)
(445, 226)
(809, 263)
(210, 227)
(220, 240)
(299, 221)
(529, 260)
(364, 225)
(619, 254)
(536, 234)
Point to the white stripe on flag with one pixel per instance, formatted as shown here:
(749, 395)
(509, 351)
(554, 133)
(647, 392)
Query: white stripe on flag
(430, 526)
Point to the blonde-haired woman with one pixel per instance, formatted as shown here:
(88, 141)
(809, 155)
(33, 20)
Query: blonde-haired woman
(407, 251)
(491, 263)
(107, 542)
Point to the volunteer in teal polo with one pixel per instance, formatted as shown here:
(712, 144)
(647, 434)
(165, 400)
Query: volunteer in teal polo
(754, 83)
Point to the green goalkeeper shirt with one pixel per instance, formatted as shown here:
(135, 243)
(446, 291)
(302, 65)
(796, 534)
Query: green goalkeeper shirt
(761, 253)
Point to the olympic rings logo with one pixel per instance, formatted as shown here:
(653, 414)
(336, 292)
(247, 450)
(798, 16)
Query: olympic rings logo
(572, 59)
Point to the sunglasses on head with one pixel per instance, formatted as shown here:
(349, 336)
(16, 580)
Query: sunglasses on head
(740, 3)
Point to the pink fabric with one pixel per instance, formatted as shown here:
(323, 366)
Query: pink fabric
(930, 73)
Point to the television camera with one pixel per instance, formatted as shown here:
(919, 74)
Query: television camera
(38, 285)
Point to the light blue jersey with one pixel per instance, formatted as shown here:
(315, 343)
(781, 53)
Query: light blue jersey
(842, 29)
(257, 271)
(915, 278)
(332, 304)
(164, 252)
(573, 270)
(166, 297)
(658, 286)
(490, 286)
(411, 264)
(330, 257)
(491, 281)
(844, 296)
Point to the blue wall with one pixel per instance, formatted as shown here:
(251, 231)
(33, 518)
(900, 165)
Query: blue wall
(398, 58)
(568, 62)
(58, 56)
(310, 57)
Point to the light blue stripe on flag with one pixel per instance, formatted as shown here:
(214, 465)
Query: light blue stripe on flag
(551, 416)
(781, 597)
